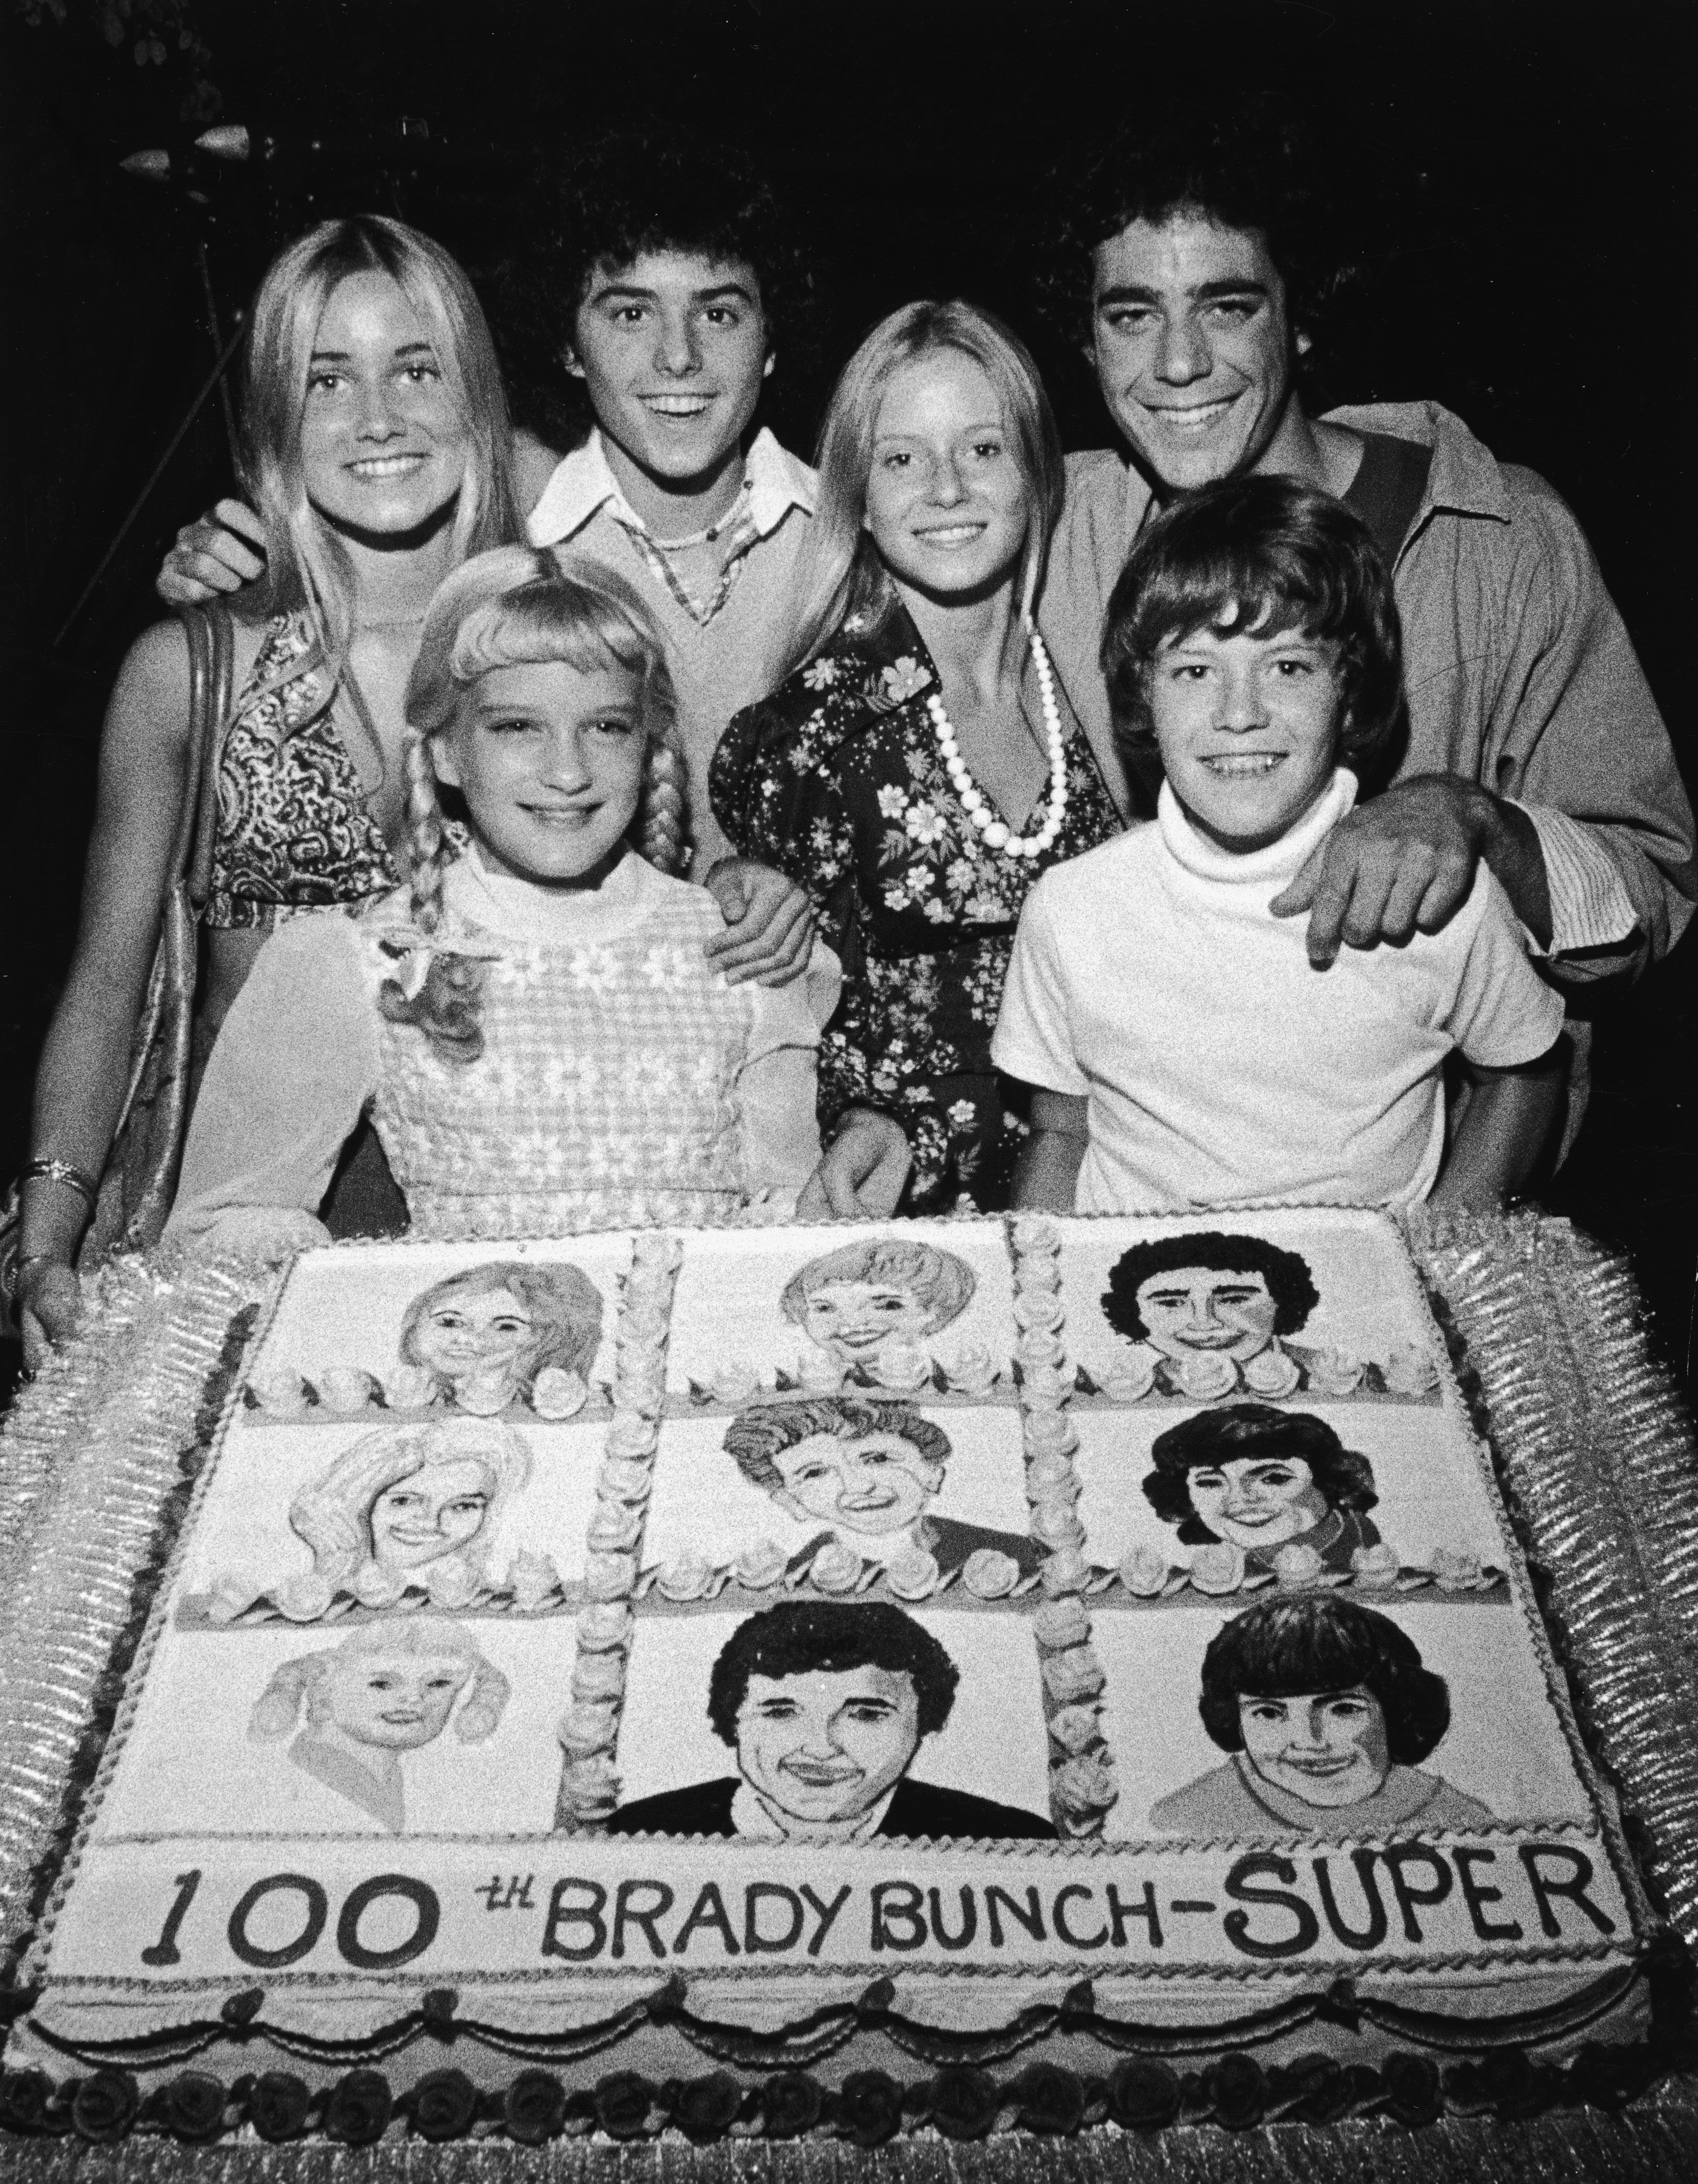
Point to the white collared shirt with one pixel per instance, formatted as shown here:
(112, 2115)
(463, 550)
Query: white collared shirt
(584, 483)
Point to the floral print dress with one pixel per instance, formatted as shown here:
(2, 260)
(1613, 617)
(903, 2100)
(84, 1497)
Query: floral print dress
(836, 780)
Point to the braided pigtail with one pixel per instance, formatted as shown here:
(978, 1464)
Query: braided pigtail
(659, 833)
(447, 1007)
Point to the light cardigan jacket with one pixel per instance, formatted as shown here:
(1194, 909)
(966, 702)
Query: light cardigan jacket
(1520, 674)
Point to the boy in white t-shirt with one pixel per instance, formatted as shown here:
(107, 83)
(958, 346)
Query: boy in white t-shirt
(1183, 1050)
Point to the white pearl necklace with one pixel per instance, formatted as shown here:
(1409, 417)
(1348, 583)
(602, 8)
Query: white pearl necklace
(976, 805)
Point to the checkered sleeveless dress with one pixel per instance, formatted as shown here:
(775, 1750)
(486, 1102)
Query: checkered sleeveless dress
(605, 1096)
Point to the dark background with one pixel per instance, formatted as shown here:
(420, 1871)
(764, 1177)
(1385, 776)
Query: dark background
(1512, 181)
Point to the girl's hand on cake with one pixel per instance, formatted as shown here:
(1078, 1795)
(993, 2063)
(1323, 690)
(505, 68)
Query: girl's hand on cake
(768, 933)
(863, 1173)
(49, 1308)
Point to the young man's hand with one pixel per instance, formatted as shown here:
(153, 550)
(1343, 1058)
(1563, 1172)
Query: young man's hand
(219, 553)
(863, 1172)
(1405, 863)
(769, 923)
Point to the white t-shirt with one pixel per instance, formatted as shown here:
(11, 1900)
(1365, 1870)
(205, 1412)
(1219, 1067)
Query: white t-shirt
(1219, 1066)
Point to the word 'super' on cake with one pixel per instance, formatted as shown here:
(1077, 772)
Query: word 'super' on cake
(904, 1650)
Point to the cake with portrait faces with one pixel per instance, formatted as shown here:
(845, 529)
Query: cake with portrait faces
(835, 1680)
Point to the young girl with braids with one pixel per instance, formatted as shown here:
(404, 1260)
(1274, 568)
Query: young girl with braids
(531, 1022)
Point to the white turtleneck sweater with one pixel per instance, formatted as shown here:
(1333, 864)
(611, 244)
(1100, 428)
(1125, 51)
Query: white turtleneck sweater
(1219, 1066)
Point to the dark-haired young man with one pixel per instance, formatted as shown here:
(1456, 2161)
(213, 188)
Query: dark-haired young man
(826, 1704)
(1186, 267)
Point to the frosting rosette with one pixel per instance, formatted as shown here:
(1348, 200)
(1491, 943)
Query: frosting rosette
(1044, 1386)
(376, 1586)
(624, 1478)
(689, 1577)
(1335, 1372)
(588, 1785)
(614, 1527)
(599, 1675)
(232, 1592)
(1204, 1375)
(303, 1597)
(1050, 1478)
(1144, 1572)
(1054, 1521)
(1130, 1374)
(1085, 1784)
(604, 1624)
(733, 1380)
(1377, 1565)
(901, 1365)
(1218, 1568)
(1075, 1728)
(819, 1373)
(836, 1567)
(972, 1371)
(1038, 1305)
(1455, 1570)
(484, 1395)
(451, 1583)
(760, 1566)
(1061, 1623)
(1272, 1372)
(409, 1388)
(348, 1390)
(282, 1393)
(912, 1574)
(630, 1434)
(609, 1576)
(1409, 1369)
(556, 1393)
(1075, 1675)
(1035, 1237)
(989, 1574)
(1039, 1345)
(587, 1726)
(532, 1578)
(1298, 1564)
(1048, 1433)
(1063, 1570)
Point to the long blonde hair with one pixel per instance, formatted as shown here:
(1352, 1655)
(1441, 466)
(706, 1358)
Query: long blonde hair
(307, 567)
(841, 575)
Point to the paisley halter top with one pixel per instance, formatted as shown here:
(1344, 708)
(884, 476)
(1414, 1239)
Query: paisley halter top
(294, 831)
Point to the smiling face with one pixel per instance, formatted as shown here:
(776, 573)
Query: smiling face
(476, 1332)
(398, 1701)
(1325, 1747)
(383, 442)
(672, 349)
(1192, 349)
(854, 1320)
(824, 1746)
(550, 760)
(1207, 1308)
(1257, 1501)
(948, 506)
(880, 1484)
(430, 1514)
(1247, 728)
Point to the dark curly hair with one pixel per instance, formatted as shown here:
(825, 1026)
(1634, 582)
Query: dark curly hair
(1290, 1283)
(1241, 1430)
(799, 1636)
(1260, 556)
(756, 1438)
(1322, 1643)
(604, 204)
(1250, 167)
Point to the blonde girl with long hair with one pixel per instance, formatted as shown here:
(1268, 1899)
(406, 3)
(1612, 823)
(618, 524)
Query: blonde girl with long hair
(531, 1021)
(920, 766)
(377, 453)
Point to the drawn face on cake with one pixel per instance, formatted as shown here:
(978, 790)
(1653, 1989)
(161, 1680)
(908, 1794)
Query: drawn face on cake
(471, 1335)
(431, 1513)
(880, 1484)
(1326, 1747)
(823, 1746)
(1257, 1501)
(396, 1701)
(854, 1320)
(1207, 1308)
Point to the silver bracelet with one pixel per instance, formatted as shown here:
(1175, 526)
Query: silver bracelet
(86, 1187)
